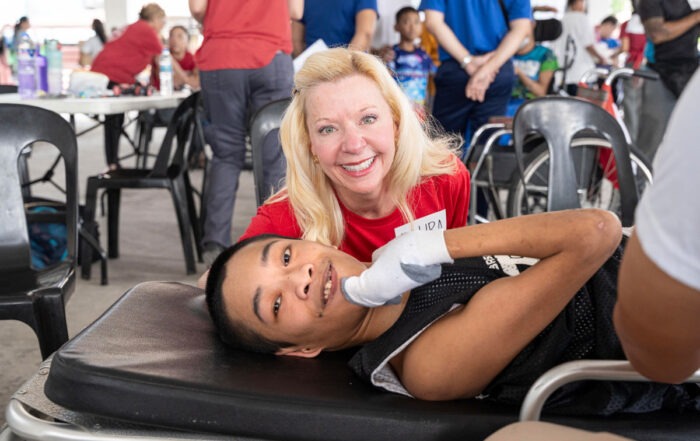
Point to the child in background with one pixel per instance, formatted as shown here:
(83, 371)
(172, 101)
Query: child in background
(411, 64)
(185, 72)
(607, 44)
(534, 68)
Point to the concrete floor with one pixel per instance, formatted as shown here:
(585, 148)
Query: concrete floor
(150, 249)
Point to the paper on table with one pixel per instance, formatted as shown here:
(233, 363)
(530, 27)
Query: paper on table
(317, 46)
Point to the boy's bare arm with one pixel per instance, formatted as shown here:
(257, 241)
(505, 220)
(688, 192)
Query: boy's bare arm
(462, 352)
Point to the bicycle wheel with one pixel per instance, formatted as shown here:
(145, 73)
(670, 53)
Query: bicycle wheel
(595, 176)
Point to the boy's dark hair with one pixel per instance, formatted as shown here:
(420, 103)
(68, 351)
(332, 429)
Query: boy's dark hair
(405, 10)
(232, 333)
(611, 19)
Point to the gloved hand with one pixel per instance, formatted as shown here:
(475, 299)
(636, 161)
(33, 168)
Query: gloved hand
(406, 262)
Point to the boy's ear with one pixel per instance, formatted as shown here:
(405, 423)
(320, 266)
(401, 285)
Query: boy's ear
(396, 27)
(300, 352)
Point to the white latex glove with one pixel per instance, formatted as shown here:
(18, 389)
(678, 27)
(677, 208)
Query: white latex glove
(406, 262)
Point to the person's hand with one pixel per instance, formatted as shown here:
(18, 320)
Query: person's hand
(477, 62)
(479, 83)
(406, 262)
(387, 54)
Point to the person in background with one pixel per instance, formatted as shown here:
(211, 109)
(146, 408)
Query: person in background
(673, 28)
(336, 22)
(21, 28)
(93, 45)
(477, 41)
(5, 69)
(361, 168)
(244, 63)
(607, 45)
(413, 67)
(185, 72)
(534, 67)
(122, 59)
(658, 306)
(575, 24)
(632, 43)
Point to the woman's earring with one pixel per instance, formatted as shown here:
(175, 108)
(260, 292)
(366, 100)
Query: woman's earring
(315, 158)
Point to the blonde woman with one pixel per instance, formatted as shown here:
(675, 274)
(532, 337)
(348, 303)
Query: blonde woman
(361, 168)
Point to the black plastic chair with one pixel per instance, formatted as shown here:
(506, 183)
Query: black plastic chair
(558, 120)
(35, 296)
(264, 124)
(169, 171)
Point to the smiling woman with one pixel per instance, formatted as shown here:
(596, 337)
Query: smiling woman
(361, 167)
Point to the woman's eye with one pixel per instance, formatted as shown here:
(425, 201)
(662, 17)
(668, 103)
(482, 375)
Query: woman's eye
(286, 256)
(369, 119)
(326, 130)
(276, 305)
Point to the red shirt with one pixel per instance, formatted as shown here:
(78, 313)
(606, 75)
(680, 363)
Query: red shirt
(125, 57)
(635, 55)
(244, 34)
(362, 236)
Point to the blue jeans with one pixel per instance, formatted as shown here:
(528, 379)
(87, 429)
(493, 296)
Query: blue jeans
(459, 114)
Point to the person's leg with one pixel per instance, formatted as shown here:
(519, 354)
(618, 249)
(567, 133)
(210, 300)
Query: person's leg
(225, 97)
(495, 104)
(271, 83)
(451, 107)
(631, 103)
(112, 133)
(657, 104)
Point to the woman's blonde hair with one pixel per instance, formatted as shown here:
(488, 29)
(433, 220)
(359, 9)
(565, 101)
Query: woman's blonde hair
(309, 190)
(151, 11)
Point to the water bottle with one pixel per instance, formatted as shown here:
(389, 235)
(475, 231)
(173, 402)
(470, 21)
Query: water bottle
(42, 78)
(165, 67)
(55, 67)
(26, 68)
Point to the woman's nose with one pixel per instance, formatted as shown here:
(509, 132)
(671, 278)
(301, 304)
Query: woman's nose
(302, 281)
(354, 142)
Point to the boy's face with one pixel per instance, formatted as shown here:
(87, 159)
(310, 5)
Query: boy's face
(289, 290)
(409, 26)
(606, 30)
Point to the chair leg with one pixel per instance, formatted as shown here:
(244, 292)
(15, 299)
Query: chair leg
(113, 202)
(194, 219)
(91, 239)
(177, 189)
(89, 226)
(50, 313)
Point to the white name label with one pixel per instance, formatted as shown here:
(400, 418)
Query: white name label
(434, 221)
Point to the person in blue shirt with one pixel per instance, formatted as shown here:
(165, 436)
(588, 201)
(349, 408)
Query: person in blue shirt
(411, 64)
(477, 41)
(336, 22)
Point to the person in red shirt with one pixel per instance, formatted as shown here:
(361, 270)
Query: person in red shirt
(244, 63)
(185, 72)
(122, 59)
(361, 168)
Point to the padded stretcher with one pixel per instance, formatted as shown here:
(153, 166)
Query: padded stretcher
(153, 359)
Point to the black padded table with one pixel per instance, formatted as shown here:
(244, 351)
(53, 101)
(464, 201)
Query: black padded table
(154, 359)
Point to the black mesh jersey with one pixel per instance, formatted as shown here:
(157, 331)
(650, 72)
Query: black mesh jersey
(583, 330)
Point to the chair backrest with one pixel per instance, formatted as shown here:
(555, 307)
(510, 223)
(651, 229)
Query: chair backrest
(558, 119)
(21, 126)
(265, 120)
(179, 130)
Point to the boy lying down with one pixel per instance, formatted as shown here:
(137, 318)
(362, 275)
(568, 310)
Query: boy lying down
(470, 325)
